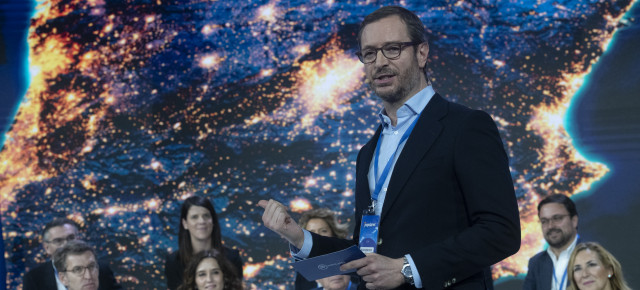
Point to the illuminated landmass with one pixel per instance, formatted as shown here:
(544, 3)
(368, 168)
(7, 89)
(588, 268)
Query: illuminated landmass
(135, 105)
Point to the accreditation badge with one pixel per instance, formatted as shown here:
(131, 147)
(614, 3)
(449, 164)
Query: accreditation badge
(369, 233)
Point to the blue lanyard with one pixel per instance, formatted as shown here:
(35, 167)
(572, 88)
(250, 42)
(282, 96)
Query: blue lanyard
(564, 276)
(385, 172)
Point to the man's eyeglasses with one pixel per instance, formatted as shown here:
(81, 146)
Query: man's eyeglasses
(390, 51)
(80, 270)
(60, 241)
(555, 219)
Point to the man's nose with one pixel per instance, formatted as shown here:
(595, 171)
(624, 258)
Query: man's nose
(380, 59)
(87, 273)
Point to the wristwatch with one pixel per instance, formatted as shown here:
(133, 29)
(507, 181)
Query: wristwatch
(406, 271)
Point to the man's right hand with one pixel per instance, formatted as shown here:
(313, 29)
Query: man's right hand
(277, 219)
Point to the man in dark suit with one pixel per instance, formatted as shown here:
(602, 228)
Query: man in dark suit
(55, 235)
(77, 266)
(559, 222)
(435, 173)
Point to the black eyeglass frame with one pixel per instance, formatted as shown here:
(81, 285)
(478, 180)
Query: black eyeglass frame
(81, 270)
(60, 241)
(386, 46)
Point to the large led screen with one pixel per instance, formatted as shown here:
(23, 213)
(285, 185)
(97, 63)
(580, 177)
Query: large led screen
(134, 105)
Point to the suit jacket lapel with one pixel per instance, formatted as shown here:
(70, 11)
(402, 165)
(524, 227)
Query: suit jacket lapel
(50, 276)
(423, 136)
(547, 272)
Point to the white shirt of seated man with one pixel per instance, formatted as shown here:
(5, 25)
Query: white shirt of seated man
(81, 273)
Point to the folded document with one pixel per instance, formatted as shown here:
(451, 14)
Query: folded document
(328, 265)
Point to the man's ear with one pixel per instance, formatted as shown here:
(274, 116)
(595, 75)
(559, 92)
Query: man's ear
(422, 53)
(63, 278)
(45, 246)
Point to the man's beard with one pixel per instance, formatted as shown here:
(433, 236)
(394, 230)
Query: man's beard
(564, 239)
(406, 82)
(394, 96)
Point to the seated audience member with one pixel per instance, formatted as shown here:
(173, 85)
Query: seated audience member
(199, 231)
(323, 222)
(592, 267)
(559, 224)
(77, 266)
(338, 282)
(55, 235)
(212, 271)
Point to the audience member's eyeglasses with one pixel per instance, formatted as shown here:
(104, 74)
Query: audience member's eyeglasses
(60, 241)
(390, 51)
(555, 219)
(80, 270)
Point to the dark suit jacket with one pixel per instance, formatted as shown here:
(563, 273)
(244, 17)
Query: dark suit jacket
(42, 277)
(174, 270)
(450, 202)
(540, 272)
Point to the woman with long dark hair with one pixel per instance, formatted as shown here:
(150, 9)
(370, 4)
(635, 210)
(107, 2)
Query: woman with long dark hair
(199, 231)
(210, 270)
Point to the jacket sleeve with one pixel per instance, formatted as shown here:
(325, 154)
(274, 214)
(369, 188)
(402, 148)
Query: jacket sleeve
(28, 282)
(482, 177)
(530, 279)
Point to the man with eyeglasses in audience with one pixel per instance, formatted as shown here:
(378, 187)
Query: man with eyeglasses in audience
(55, 235)
(77, 266)
(559, 223)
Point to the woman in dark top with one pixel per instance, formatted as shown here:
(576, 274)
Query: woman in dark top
(199, 231)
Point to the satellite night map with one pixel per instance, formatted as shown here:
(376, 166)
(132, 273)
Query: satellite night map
(132, 106)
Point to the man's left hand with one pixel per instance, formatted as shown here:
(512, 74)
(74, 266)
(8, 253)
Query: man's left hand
(379, 272)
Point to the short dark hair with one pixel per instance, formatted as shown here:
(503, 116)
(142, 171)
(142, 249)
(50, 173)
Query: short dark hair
(58, 222)
(561, 199)
(75, 247)
(414, 25)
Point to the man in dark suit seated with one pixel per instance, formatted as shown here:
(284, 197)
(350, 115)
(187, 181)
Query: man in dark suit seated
(77, 266)
(559, 222)
(433, 182)
(55, 235)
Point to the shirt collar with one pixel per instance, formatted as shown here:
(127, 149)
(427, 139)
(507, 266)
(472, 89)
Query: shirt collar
(411, 107)
(55, 274)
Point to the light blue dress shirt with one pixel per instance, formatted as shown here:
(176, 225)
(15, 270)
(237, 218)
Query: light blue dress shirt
(390, 138)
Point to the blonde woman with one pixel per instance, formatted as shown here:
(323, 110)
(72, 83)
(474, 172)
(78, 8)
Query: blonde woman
(592, 267)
